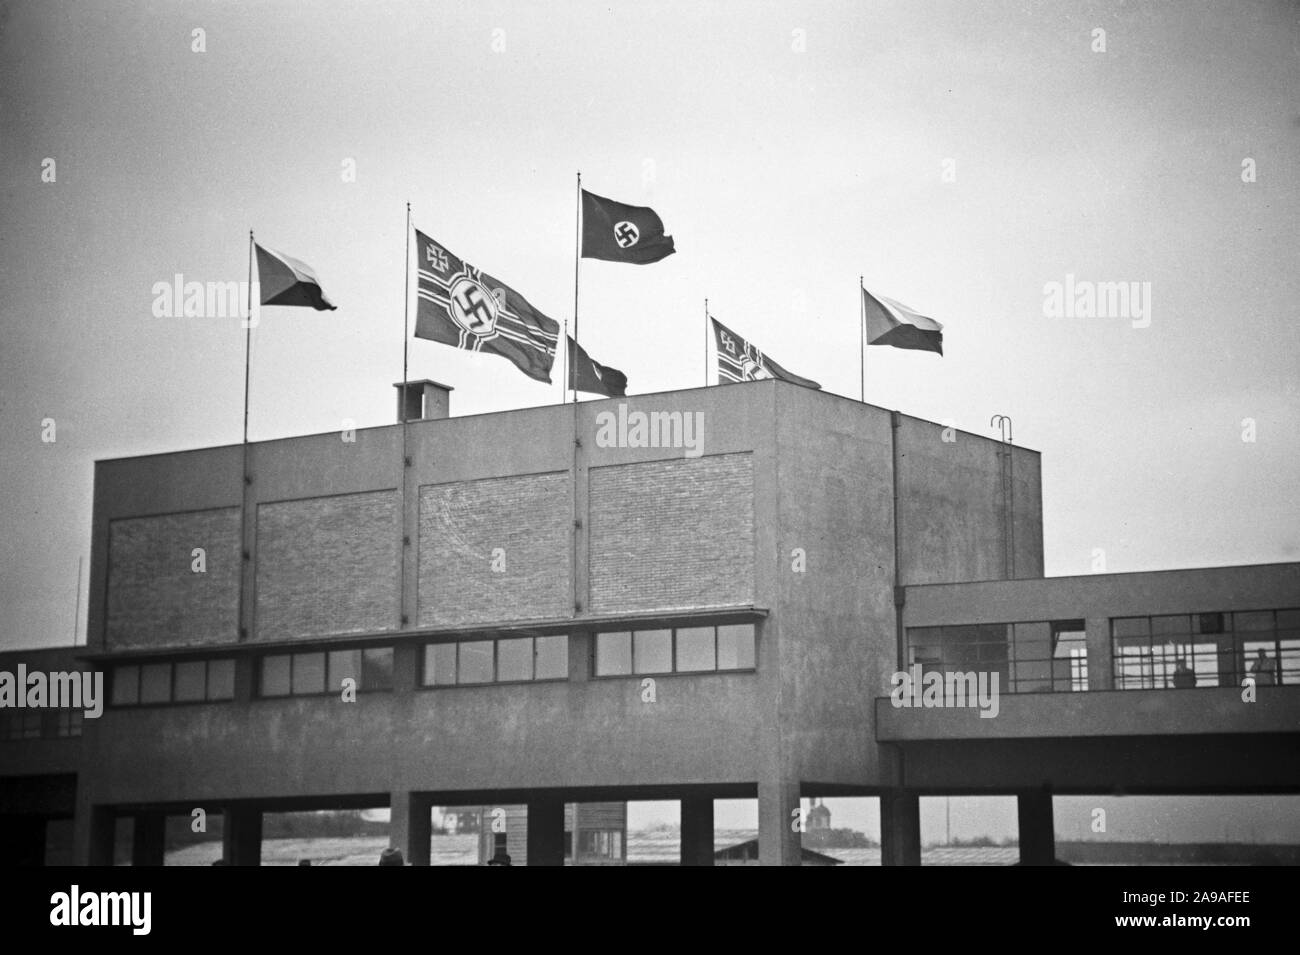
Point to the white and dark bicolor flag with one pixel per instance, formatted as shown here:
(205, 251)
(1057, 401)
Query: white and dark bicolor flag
(892, 323)
(738, 360)
(465, 307)
(286, 281)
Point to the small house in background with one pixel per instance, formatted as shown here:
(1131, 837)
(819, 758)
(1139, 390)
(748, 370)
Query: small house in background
(595, 833)
(746, 853)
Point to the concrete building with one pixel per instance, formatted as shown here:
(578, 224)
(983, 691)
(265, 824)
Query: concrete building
(484, 611)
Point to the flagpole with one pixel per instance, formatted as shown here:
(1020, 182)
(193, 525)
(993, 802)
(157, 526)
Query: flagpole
(577, 257)
(862, 342)
(406, 322)
(706, 343)
(564, 365)
(248, 342)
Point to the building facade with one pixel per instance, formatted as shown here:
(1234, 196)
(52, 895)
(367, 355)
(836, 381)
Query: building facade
(693, 595)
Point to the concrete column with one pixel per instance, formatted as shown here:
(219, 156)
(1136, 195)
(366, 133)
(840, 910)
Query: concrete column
(148, 838)
(697, 830)
(900, 828)
(410, 828)
(92, 834)
(1101, 671)
(241, 836)
(779, 842)
(1037, 833)
(546, 831)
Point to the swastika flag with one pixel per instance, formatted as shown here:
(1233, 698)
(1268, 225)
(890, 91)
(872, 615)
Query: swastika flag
(465, 307)
(617, 232)
(591, 376)
(738, 360)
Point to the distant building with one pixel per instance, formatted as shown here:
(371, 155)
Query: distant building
(501, 611)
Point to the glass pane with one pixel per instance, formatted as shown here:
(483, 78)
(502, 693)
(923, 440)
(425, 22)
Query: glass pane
(440, 664)
(475, 662)
(377, 668)
(308, 673)
(156, 683)
(1129, 626)
(652, 651)
(191, 680)
(126, 686)
(736, 647)
(221, 679)
(1210, 622)
(553, 658)
(344, 665)
(275, 676)
(515, 659)
(695, 650)
(613, 653)
(1288, 619)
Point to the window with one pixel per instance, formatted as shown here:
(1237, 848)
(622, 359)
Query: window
(321, 672)
(182, 681)
(683, 650)
(1182, 651)
(613, 653)
(505, 660)
(1044, 656)
(600, 843)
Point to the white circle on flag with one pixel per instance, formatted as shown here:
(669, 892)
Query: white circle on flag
(752, 370)
(626, 234)
(473, 307)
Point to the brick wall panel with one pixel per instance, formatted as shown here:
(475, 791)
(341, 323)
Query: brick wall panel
(154, 597)
(328, 565)
(672, 534)
(462, 523)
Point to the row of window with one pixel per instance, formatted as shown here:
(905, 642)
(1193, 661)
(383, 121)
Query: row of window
(1177, 651)
(467, 662)
(187, 681)
(681, 650)
(1170, 651)
(320, 671)
(1040, 657)
(40, 724)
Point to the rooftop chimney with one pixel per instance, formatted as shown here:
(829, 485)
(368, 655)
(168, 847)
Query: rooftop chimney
(422, 400)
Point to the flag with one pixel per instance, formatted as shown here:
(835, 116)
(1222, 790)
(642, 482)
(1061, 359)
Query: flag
(738, 360)
(286, 281)
(593, 377)
(891, 323)
(617, 232)
(462, 306)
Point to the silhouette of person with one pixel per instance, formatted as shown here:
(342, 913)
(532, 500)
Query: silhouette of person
(1264, 669)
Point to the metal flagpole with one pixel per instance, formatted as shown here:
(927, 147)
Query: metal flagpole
(248, 341)
(577, 257)
(706, 343)
(403, 411)
(862, 342)
(565, 370)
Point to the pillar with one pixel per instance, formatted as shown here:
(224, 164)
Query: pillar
(1037, 835)
(148, 838)
(241, 836)
(900, 828)
(1101, 671)
(697, 830)
(779, 842)
(546, 831)
(92, 834)
(410, 828)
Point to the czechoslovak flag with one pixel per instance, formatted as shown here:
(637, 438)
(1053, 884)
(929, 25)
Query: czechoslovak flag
(892, 323)
(286, 281)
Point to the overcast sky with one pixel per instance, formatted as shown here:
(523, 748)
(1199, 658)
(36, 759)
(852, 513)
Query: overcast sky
(789, 147)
